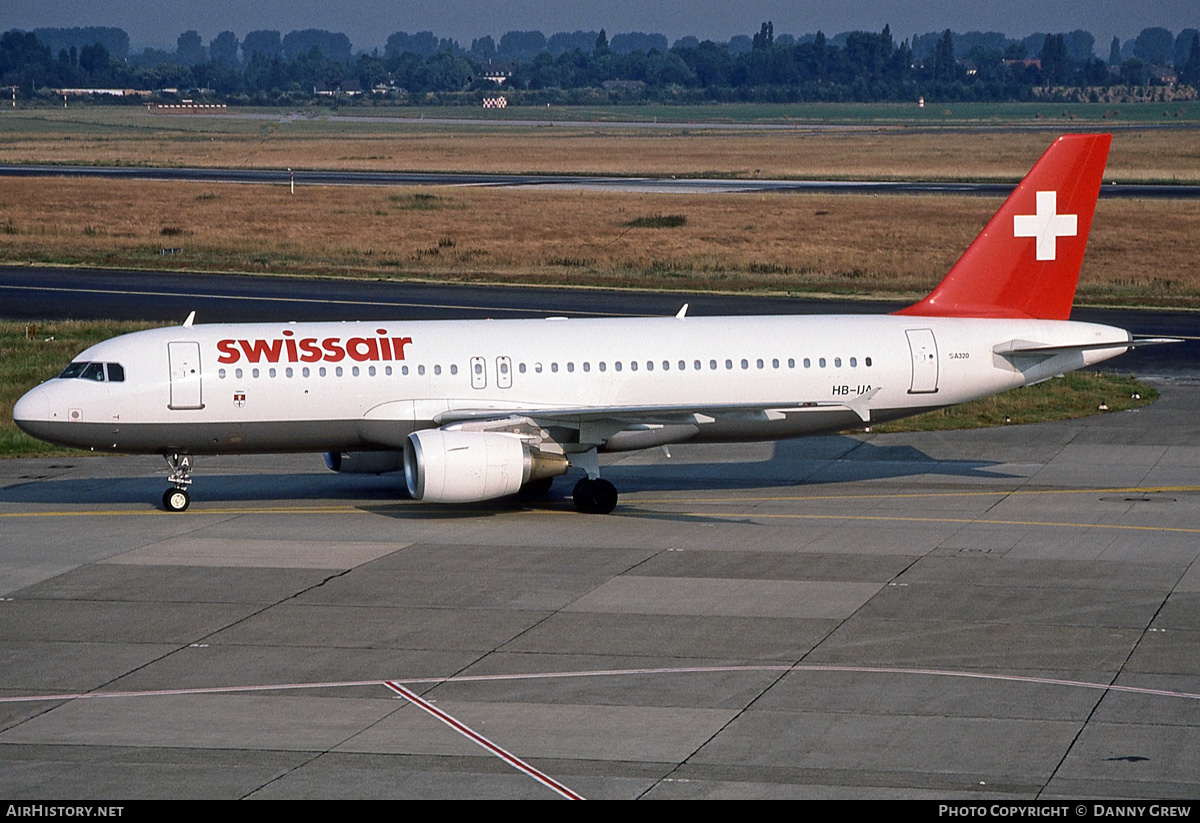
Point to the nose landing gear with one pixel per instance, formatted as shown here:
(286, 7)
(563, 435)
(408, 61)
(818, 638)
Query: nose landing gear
(176, 498)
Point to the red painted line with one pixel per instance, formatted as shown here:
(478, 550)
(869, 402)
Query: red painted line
(479, 740)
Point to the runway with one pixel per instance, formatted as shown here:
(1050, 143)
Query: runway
(1006, 614)
(676, 185)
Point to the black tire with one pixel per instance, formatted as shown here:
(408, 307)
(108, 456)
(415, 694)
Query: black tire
(595, 496)
(176, 500)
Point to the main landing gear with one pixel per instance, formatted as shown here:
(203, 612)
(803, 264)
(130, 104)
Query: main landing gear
(176, 498)
(592, 494)
(595, 496)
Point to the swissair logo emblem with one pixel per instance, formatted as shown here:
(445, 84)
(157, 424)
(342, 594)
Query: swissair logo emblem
(1047, 225)
(239, 399)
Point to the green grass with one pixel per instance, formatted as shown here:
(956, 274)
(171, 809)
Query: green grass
(422, 202)
(1075, 395)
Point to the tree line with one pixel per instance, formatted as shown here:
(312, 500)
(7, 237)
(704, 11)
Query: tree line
(267, 67)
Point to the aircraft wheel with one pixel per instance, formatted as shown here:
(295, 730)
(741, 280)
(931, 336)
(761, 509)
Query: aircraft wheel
(595, 496)
(176, 500)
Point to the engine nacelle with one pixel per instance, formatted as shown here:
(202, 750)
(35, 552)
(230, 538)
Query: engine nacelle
(453, 466)
(380, 462)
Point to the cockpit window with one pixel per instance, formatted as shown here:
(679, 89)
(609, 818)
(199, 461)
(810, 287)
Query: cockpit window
(94, 371)
(73, 370)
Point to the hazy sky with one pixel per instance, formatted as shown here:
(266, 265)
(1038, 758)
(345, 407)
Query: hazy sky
(369, 22)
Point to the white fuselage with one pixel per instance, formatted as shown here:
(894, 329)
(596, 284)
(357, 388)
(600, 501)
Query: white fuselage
(274, 387)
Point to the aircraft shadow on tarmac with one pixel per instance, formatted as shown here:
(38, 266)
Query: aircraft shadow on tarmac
(809, 462)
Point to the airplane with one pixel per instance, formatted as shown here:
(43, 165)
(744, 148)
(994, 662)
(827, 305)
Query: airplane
(475, 410)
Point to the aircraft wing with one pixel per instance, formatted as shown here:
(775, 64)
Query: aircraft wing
(577, 416)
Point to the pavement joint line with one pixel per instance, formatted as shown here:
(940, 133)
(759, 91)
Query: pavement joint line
(564, 675)
(889, 496)
(483, 742)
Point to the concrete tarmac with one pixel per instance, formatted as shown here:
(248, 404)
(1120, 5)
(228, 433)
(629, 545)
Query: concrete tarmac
(1003, 614)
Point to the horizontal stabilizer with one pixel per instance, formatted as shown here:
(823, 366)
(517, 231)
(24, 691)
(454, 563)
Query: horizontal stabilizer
(1027, 348)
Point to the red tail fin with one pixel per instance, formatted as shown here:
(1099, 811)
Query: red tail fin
(1025, 263)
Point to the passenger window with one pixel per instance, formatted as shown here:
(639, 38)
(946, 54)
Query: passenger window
(775, 363)
(867, 361)
(438, 369)
(649, 365)
(666, 365)
(603, 367)
(116, 373)
(807, 363)
(421, 371)
(288, 371)
(821, 362)
(712, 364)
(403, 371)
(853, 362)
(728, 364)
(320, 371)
(570, 367)
(386, 370)
(745, 363)
(370, 371)
(587, 366)
(254, 373)
(520, 368)
(238, 373)
(537, 367)
(633, 365)
(338, 371)
(617, 365)
(554, 367)
(354, 371)
(454, 368)
(697, 365)
(221, 373)
(304, 372)
(759, 363)
(837, 362)
(791, 362)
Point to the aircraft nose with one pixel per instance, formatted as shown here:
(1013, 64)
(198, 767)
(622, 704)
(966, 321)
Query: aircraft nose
(33, 406)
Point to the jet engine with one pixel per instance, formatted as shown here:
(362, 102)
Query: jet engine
(380, 462)
(454, 466)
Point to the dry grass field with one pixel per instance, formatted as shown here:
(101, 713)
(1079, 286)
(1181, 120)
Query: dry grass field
(1141, 251)
(886, 152)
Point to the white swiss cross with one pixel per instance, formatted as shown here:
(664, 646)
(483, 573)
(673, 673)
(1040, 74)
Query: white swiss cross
(1047, 226)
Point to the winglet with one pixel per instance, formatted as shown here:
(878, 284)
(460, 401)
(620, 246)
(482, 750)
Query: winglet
(187, 324)
(1026, 261)
(682, 312)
